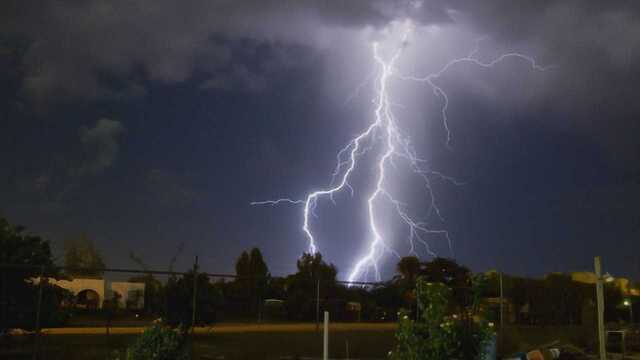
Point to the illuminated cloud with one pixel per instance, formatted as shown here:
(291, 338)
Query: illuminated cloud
(100, 145)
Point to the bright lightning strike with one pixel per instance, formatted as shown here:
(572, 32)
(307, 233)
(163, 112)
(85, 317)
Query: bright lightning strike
(384, 129)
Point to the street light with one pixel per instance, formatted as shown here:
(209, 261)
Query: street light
(608, 278)
(628, 304)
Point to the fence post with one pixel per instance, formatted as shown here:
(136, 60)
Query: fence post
(502, 331)
(346, 342)
(109, 302)
(195, 294)
(501, 303)
(417, 302)
(4, 298)
(318, 304)
(325, 347)
(600, 308)
(36, 343)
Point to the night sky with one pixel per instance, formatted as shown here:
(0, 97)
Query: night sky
(150, 124)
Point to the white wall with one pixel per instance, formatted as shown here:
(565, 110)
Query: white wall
(104, 289)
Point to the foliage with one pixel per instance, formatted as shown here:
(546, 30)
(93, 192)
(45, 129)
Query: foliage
(409, 268)
(20, 294)
(613, 298)
(276, 288)
(158, 343)
(302, 286)
(312, 268)
(437, 334)
(82, 258)
(153, 293)
(179, 297)
(19, 247)
(253, 278)
(554, 300)
(449, 273)
(389, 298)
(242, 264)
(446, 271)
(111, 306)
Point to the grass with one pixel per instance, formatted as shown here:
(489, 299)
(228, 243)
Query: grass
(525, 338)
(276, 343)
(362, 344)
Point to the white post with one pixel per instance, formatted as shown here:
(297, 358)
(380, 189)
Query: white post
(346, 342)
(600, 308)
(325, 348)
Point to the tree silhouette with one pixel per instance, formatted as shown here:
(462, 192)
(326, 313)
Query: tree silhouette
(18, 292)
(301, 287)
(243, 265)
(82, 258)
(257, 267)
(253, 279)
(409, 268)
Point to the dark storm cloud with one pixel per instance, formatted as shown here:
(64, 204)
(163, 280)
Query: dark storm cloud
(72, 43)
(242, 87)
(596, 47)
(47, 180)
(168, 190)
(77, 49)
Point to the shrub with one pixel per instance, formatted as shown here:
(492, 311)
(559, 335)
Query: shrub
(437, 335)
(158, 343)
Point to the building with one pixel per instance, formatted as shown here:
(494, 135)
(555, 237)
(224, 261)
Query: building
(92, 293)
(623, 284)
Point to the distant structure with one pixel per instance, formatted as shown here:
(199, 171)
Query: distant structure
(512, 313)
(623, 284)
(92, 293)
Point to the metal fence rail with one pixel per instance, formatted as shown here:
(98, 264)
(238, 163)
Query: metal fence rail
(287, 309)
(194, 299)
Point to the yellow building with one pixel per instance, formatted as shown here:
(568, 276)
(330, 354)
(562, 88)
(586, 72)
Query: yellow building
(91, 293)
(621, 283)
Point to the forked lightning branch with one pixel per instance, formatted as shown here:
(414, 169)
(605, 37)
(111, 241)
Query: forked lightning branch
(385, 131)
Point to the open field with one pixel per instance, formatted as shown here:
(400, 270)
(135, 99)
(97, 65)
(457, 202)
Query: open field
(270, 341)
(227, 341)
(230, 328)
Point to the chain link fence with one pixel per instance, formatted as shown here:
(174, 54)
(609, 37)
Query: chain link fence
(63, 313)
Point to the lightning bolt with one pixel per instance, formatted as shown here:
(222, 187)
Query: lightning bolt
(384, 131)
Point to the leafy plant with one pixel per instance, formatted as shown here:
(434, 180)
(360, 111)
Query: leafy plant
(158, 343)
(19, 291)
(437, 334)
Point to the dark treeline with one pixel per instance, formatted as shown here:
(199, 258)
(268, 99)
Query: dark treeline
(553, 300)
(18, 295)
(255, 295)
(557, 300)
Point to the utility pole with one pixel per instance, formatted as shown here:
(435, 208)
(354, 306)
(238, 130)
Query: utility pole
(600, 307)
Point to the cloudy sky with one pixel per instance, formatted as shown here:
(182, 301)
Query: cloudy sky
(151, 124)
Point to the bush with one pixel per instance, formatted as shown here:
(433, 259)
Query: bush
(158, 343)
(437, 335)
